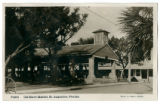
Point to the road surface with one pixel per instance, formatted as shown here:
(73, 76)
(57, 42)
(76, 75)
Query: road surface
(135, 88)
(141, 88)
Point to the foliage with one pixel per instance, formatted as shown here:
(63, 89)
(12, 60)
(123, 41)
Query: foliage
(82, 41)
(137, 22)
(119, 46)
(53, 25)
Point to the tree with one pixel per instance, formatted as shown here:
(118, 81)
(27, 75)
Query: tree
(82, 41)
(119, 46)
(53, 25)
(16, 39)
(137, 22)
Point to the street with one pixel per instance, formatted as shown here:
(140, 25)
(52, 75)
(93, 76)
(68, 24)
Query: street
(135, 88)
(131, 88)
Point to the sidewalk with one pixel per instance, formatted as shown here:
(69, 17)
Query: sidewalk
(33, 89)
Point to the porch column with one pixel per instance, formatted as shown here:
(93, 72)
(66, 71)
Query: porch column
(91, 76)
(134, 72)
(72, 63)
(113, 72)
(72, 70)
(140, 73)
(129, 75)
(129, 67)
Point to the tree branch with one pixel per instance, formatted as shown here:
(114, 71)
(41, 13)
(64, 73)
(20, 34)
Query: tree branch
(16, 52)
(19, 47)
(46, 50)
(23, 48)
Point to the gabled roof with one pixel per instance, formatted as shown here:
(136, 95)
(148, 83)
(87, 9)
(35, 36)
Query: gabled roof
(101, 51)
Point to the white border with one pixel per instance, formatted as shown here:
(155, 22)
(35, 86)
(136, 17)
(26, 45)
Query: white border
(73, 1)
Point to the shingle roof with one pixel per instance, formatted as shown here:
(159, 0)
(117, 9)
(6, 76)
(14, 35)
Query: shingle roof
(79, 49)
(89, 49)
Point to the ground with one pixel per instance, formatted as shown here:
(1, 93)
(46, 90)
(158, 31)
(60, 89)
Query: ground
(129, 88)
(135, 88)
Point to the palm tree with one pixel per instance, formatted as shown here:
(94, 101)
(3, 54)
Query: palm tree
(137, 22)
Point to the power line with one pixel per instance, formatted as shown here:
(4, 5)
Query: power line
(100, 23)
(99, 15)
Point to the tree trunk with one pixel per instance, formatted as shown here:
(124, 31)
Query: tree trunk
(8, 60)
(10, 57)
(122, 73)
(18, 50)
(54, 71)
(124, 66)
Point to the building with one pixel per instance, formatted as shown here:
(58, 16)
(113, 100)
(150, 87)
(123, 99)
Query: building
(142, 71)
(91, 62)
(87, 57)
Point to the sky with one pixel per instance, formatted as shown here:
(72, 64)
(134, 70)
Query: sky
(100, 18)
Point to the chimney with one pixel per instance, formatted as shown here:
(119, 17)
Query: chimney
(100, 37)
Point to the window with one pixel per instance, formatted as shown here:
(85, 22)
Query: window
(132, 72)
(150, 72)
